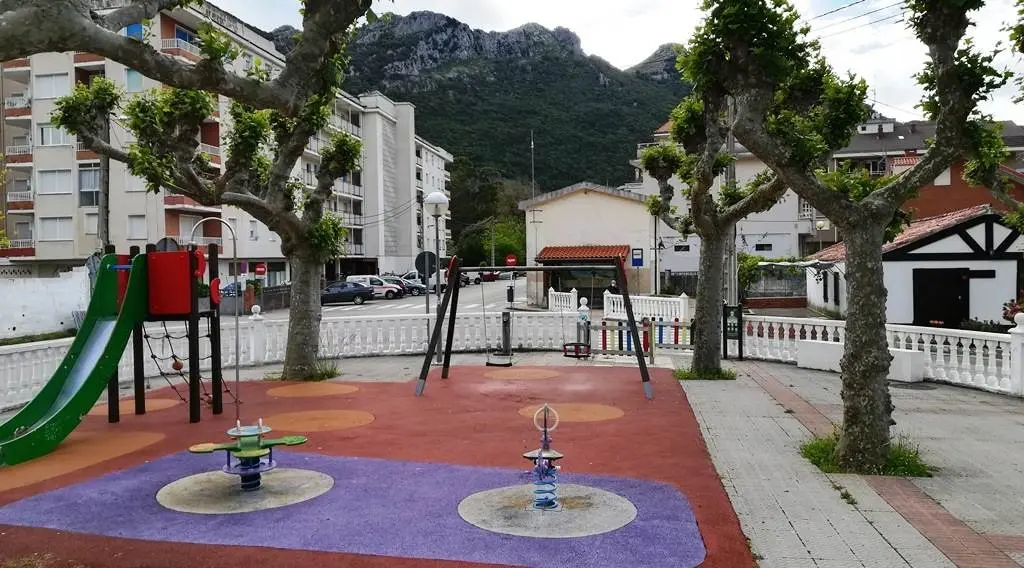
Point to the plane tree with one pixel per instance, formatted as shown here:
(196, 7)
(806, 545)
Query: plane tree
(271, 121)
(792, 111)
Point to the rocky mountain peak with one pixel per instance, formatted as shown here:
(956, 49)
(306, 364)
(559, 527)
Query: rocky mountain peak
(660, 65)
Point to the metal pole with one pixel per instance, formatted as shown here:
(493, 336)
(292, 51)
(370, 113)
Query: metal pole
(238, 300)
(731, 268)
(656, 278)
(533, 172)
(437, 252)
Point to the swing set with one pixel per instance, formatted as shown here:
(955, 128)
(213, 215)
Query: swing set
(503, 358)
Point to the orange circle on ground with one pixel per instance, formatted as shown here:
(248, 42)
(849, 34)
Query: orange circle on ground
(578, 412)
(311, 390)
(523, 374)
(78, 451)
(128, 406)
(319, 420)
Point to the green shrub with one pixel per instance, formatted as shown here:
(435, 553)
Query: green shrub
(719, 375)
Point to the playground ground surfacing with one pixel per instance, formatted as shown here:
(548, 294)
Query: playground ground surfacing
(401, 466)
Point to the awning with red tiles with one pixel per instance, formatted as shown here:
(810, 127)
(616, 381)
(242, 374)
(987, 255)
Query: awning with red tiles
(583, 253)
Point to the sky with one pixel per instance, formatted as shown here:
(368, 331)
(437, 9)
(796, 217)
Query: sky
(865, 37)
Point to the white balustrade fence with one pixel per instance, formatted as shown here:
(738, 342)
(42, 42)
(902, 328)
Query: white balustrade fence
(988, 361)
(654, 307)
(563, 301)
(24, 369)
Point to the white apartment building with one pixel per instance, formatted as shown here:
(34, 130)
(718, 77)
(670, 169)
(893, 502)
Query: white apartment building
(51, 195)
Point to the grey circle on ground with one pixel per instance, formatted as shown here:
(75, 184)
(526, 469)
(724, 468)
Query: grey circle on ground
(583, 511)
(219, 493)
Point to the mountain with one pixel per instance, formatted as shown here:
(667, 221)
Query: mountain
(479, 94)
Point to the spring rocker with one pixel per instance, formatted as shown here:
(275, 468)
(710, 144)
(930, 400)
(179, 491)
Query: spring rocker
(545, 472)
(253, 454)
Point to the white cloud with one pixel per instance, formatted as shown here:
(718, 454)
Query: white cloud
(884, 53)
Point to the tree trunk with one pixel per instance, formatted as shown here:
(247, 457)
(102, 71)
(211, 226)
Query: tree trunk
(707, 320)
(303, 319)
(867, 408)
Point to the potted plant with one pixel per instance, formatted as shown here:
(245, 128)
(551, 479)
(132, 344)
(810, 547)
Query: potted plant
(203, 290)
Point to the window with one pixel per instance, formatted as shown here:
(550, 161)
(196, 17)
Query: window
(763, 247)
(132, 81)
(184, 35)
(233, 222)
(681, 248)
(135, 31)
(253, 231)
(52, 86)
(56, 229)
(824, 288)
(137, 227)
(50, 135)
(92, 223)
(835, 288)
(23, 230)
(54, 182)
(88, 185)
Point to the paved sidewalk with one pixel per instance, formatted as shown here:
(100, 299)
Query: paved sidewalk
(969, 515)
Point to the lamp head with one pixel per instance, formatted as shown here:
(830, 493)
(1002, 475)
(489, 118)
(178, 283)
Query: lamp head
(436, 204)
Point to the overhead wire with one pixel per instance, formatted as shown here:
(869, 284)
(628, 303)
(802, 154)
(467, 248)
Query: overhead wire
(871, 23)
(857, 17)
(839, 9)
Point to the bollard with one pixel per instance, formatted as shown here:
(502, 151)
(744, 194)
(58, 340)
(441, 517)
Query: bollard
(506, 333)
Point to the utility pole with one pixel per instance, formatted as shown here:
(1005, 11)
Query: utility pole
(657, 276)
(533, 171)
(540, 282)
(732, 292)
(491, 229)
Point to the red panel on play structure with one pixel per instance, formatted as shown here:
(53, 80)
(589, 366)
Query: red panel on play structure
(215, 291)
(170, 286)
(122, 278)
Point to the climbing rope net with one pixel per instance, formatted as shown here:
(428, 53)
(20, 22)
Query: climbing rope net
(171, 366)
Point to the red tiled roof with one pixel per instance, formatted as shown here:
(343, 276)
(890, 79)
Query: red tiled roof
(905, 160)
(584, 252)
(917, 230)
(664, 128)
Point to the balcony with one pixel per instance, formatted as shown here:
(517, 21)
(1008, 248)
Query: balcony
(212, 151)
(18, 106)
(350, 219)
(84, 153)
(19, 154)
(20, 200)
(187, 205)
(85, 59)
(355, 249)
(18, 247)
(347, 188)
(338, 123)
(419, 183)
(181, 48)
(419, 161)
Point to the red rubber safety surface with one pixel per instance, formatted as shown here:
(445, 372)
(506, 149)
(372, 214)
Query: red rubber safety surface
(468, 419)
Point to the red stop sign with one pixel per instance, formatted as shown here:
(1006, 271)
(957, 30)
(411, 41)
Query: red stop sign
(510, 260)
(261, 269)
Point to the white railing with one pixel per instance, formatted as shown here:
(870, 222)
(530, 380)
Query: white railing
(985, 361)
(175, 43)
(19, 101)
(209, 150)
(19, 196)
(19, 150)
(347, 188)
(967, 358)
(656, 307)
(563, 301)
(19, 243)
(24, 369)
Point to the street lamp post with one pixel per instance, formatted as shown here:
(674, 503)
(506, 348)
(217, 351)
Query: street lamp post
(436, 205)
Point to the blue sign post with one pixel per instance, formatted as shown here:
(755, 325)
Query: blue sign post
(638, 257)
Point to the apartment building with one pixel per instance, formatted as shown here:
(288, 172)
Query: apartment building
(50, 200)
(792, 227)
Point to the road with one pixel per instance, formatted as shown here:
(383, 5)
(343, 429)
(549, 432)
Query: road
(494, 299)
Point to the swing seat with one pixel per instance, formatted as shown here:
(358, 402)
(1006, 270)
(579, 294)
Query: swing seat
(499, 359)
(576, 350)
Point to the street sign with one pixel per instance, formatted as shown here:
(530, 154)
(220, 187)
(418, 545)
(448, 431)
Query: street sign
(426, 263)
(638, 257)
(260, 269)
(510, 260)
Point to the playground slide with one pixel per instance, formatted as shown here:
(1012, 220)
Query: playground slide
(82, 377)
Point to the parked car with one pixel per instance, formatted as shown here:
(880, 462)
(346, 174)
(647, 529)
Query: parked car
(408, 287)
(380, 287)
(487, 277)
(337, 292)
(415, 276)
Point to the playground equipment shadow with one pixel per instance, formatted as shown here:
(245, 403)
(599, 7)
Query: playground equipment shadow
(471, 420)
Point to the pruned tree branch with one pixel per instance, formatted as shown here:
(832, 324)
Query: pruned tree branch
(138, 11)
(760, 198)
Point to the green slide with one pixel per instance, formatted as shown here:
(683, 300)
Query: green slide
(39, 427)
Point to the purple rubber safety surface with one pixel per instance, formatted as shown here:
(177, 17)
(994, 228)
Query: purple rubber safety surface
(378, 507)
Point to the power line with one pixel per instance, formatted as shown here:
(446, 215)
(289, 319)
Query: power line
(871, 23)
(857, 17)
(917, 114)
(834, 10)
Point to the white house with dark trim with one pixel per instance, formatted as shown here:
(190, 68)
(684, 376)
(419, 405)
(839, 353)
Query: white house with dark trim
(938, 272)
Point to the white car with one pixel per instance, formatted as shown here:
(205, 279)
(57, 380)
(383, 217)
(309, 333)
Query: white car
(379, 287)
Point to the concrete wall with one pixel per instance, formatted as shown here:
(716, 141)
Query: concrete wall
(986, 298)
(816, 289)
(42, 305)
